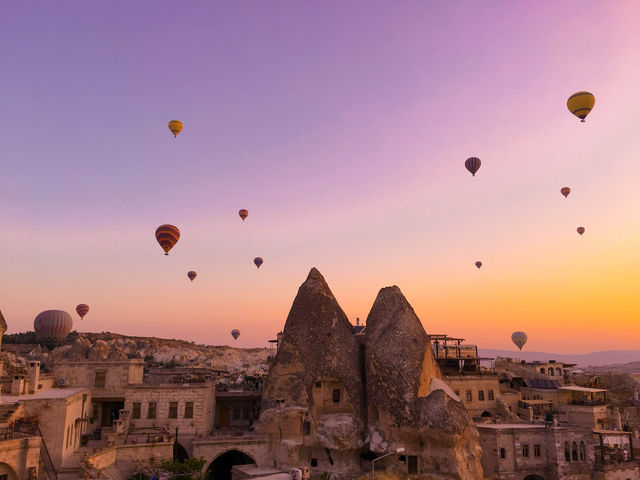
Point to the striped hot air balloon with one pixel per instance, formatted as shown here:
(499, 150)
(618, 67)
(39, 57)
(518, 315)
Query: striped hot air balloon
(82, 309)
(580, 104)
(473, 165)
(258, 261)
(565, 191)
(167, 236)
(519, 338)
(176, 127)
(192, 275)
(243, 214)
(52, 327)
(478, 264)
(580, 230)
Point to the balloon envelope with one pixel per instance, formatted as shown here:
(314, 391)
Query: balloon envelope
(258, 261)
(82, 309)
(235, 333)
(52, 326)
(167, 236)
(478, 264)
(472, 164)
(176, 127)
(580, 104)
(580, 230)
(192, 275)
(243, 214)
(519, 338)
(565, 191)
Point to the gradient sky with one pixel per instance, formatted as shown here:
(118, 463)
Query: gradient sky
(343, 127)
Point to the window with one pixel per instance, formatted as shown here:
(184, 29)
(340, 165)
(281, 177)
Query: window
(188, 410)
(574, 452)
(237, 413)
(100, 379)
(583, 451)
(503, 453)
(536, 450)
(552, 372)
(481, 395)
(68, 435)
(336, 395)
(151, 413)
(469, 396)
(525, 451)
(306, 428)
(567, 452)
(542, 371)
(314, 462)
(457, 392)
(490, 394)
(135, 411)
(4, 477)
(173, 409)
(318, 384)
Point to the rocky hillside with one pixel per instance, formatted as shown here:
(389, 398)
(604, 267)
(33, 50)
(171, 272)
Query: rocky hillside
(112, 346)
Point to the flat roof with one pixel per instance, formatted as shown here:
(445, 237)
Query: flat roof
(575, 388)
(505, 426)
(611, 432)
(536, 402)
(51, 393)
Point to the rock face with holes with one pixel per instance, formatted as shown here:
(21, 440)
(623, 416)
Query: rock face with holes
(334, 400)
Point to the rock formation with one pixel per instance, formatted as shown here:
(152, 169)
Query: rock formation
(333, 400)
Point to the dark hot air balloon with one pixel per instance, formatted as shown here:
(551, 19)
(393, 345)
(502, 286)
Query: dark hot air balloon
(192, 275)
(167, 236)
(176, 127)
(258, 261)
(565, 191)
(519, 338)
(478, 264)
(472, 164)
(243, 214)
(82, 309)
(580, 230)
(52, 327)
(580, 104)
(235, 333)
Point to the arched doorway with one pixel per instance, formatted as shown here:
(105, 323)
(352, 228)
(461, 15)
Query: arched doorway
(220, 468)
(7, 472)
(180, 453)
(533, 477)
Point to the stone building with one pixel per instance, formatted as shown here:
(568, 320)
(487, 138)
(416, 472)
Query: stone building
(334, 400)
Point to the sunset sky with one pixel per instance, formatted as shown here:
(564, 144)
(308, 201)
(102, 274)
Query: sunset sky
(343, 127)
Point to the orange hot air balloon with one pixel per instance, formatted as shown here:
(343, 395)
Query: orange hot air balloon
(580, 230)
(176, 127)
(243, 214)
(565, 191)
(192, 275)
(82, 309)
(258, 261)
(473, 165)
(478, 264)
(167, 236)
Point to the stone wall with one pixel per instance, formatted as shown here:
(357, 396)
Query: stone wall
(128, 457)
(474, 384)
(19, 455)
(82, 373)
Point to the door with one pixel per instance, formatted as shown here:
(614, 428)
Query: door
(223, 421)
(413, 464)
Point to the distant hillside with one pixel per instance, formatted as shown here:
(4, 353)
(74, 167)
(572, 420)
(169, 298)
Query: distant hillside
(606, 357)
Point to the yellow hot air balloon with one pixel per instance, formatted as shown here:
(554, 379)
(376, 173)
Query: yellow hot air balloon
(580, 104)
(176, 127)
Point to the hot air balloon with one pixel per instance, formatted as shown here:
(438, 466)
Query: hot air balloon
(243, 214)
(565, 191)
(258, 261)
(167, 236)
(192, 275)
(519, 338)
(472, 164)
(82, 309)
(478, 264)
(580, 230)
(52, 327)
(176, 127)
(235, 333)
(580, 104)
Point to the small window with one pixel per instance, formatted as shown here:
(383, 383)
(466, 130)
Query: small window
(469, 396)
(567, 452)
(100, 379)
(188, 410)
(457, 392)
(525, 451)
(536, 450)
(503, 453)
(574, 452)
(151, 413)
(490, 395)
(583, 451)
(481, 395)
(314, 462)
(173, 409)
(542, 371)
(318, 384)
(336, 395)
(135, 411)
(306, 428)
